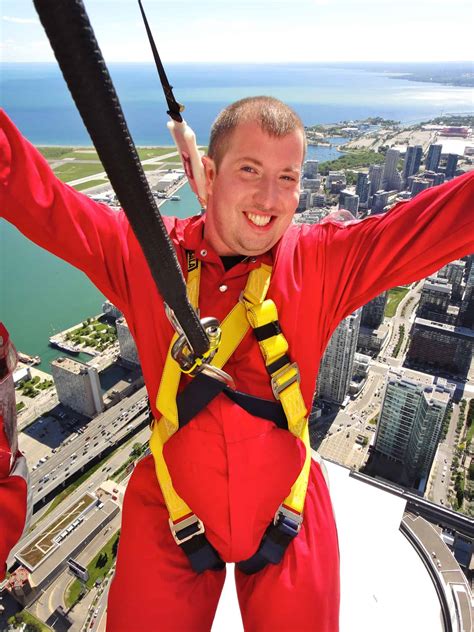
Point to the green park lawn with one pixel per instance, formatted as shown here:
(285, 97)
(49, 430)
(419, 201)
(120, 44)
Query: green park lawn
(395, 295)
(83, 186)
(98, 567)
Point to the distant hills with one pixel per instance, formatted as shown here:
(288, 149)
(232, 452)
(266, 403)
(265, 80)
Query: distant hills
(455, 73)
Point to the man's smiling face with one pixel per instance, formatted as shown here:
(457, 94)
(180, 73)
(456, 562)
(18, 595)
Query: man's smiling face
(253, 195)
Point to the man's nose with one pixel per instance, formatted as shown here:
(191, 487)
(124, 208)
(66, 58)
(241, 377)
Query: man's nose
(266, 193)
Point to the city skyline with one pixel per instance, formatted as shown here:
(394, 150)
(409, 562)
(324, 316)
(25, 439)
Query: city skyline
(313, 30)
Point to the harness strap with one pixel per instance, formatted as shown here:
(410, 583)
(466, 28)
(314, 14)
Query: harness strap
(186, 528)
(188, 531)
(203, 389)
(285, 381)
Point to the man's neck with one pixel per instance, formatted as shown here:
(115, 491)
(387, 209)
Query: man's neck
(229, 261)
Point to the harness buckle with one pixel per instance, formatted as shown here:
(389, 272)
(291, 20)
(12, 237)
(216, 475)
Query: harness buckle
(182, 352)
(192, 526)
(288, 520)
(218, 374)
(279, 388)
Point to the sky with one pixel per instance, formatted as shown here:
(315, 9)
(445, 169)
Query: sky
(258, 30)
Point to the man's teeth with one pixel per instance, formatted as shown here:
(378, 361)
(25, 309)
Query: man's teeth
(259, 220)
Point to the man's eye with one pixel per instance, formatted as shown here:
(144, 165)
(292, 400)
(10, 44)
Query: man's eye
(289, 178)
(248, 169)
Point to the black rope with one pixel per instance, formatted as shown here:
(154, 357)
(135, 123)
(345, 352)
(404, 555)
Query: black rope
(175, 108)
(80, 59)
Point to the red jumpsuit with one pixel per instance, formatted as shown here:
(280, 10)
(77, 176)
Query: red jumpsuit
(233, 469)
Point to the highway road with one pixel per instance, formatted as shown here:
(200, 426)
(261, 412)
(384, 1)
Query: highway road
(90, 484)
(79, 444)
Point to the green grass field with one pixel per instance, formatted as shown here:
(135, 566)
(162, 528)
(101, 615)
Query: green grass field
(395, 295)
(99, 566)
(54, 153)
(75, 170)
(26, 617)
(469, 434)
(88, 185)
(72, 487)
(152, 152)
(83, 154)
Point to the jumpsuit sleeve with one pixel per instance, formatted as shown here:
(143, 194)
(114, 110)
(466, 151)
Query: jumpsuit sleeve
(409, 242)
(88, 235)
(16, 505)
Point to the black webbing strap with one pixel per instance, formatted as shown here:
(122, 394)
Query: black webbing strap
(279, 535)
(258, 407)
(203, 389)
(197, 395)
(278, 364)
(200, 552)
(267, 331)
(80, 59)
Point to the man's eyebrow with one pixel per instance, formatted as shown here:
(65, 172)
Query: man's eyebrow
(260, 164)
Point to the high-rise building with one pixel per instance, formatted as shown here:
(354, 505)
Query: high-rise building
(109, 310)
(379, 202)
(78, 386)
(412, 162)
(451, 166)
(317, 200)
(410, 423)
(419, 184)
(128, 348)
(304, 200)
(375, 177)
(466, 313)
(454, 273)
(335, 181)
(312, 184)
(391, 177)
(335, 371)
(434, 178)
(433, 157)
(310, 169)
(440, 347)
(363, 188)
(435, 298)
(373, 311)
(349, 201)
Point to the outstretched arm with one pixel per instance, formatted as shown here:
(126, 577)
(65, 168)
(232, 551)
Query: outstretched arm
(409, 242)
(90, 236)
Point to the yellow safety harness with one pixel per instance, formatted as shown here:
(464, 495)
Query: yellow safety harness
(252, 310)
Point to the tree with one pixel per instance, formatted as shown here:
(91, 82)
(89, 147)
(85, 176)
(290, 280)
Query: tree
(115, 545)
(102, 560)
(136, 450)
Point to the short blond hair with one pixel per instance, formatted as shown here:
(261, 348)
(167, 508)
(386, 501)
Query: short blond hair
(274, 117)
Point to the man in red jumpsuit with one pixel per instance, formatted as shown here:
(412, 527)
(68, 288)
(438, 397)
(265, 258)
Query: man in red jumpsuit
(234, 469)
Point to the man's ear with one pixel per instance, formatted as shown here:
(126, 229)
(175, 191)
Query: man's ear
(210, 172)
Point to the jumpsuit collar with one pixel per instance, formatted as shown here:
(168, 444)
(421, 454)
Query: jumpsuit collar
(190, 236)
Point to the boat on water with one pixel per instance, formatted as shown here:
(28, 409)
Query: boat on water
(28, 359)
(164, 196)
(58, 344)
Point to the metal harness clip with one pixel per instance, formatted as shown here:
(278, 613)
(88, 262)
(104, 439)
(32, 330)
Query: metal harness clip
(289, 520)
(279, 388)
(186, 525)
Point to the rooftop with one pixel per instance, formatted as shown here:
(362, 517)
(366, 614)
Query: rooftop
(385, 582)
(452, 329)
(68, 364)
